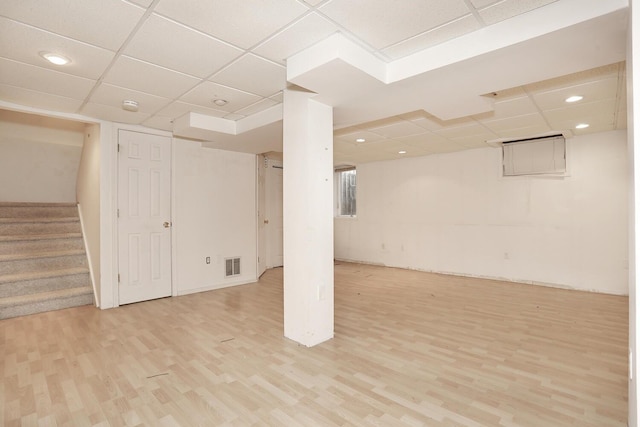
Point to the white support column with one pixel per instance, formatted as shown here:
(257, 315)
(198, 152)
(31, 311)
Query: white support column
(308, 218)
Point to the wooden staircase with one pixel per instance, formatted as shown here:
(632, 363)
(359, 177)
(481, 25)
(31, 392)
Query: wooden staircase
(43, 265)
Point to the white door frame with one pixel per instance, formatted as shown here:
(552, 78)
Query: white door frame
(271, 165)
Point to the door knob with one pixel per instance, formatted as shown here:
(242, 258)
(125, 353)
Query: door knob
(166, 224)
(266, 221)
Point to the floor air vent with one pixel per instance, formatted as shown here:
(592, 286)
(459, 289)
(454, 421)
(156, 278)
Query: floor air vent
(232, 267)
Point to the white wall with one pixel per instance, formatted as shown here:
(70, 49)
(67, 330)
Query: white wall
(454, 213)
(39, 158)
(88, 196)
(215, 216)
(633, 113)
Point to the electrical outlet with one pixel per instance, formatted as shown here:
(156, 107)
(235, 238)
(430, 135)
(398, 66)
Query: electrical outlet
(208, 260)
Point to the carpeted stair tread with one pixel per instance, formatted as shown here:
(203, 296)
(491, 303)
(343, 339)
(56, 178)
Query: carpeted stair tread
(42, 274)
(41, 254)
(18, 237)
(36, 204)
(10, 220)
(44, 296)
(43, 263)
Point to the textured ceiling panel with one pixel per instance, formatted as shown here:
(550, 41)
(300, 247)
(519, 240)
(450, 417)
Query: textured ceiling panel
(24, 43)
(144, 77)
(107, 94)
(255, 75)
(304, 33)
(104, 23)
(442, 33)
(171, 45)
(382, 23)
(241, 23)
(44, 80)
(509, 8)
(206, 92)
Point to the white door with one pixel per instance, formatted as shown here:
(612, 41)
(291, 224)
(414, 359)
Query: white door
(144, 216)
(273, 219)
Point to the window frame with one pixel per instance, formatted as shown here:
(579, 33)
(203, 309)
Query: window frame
(338, 179)
(535, 174)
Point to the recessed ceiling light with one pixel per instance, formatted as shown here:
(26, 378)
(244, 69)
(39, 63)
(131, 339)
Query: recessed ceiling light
(582, 126)
(55, 58)
(402, 152)
(574, 98)
(360, 140)
(220, 102)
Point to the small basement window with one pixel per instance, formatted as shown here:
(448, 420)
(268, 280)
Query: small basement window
(346, 191)
(535, 156)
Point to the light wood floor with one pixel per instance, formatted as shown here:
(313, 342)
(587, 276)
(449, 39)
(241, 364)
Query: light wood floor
(410, 349)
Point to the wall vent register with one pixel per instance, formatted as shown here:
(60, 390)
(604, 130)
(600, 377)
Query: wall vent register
(231, 267)
(545, 155)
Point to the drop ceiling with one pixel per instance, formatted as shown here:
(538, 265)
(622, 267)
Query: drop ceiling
(421, 76)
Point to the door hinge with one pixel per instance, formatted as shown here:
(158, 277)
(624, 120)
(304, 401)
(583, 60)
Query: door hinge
(118, 148)
(118, 213)
(118, 277)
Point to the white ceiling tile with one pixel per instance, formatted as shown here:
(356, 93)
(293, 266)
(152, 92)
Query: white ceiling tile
(393, 146)
(382, 23)
(434, 143)
(179, 48)
(469, 129)
(591, 91)
(242, 23)
(594, 113)
(483, 3)
(424, 120)
(255, 75)
(304, 33)
(144, 77)
(257, 107)
(399, 129)
(18, 74)
(104, 23)
(205, 92)
(107, 94)
(515, 122)
(368, 136)
(159, 122)
(143, 3)
(509, 8)
(448, 31)
(423, 138)
(474, 141)
(314, 2)
(178, 109)
(513, 107)
(611, 70)
(30, 98)
(113, 114)
(24, 43)
(525, 132)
